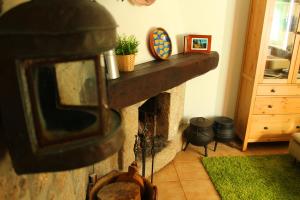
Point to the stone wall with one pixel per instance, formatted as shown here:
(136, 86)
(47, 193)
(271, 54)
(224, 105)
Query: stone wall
(65, 185)
(61, 185)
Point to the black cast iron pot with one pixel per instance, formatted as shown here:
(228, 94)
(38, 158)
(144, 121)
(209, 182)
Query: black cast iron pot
(200, 131)
(224, 129)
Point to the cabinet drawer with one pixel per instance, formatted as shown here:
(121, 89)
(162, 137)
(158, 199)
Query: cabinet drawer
(273, 127)
(276, 105)
(278, 90)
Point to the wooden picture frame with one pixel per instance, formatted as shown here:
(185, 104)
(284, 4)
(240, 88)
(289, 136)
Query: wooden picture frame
(197, 43)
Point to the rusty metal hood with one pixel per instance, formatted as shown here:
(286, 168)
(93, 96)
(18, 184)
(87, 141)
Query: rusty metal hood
(84, 27)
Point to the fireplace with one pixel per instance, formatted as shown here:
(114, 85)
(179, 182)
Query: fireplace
(169, 109)
(164, 80)
(153, 124)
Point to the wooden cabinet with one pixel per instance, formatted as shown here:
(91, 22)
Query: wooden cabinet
(268, 107)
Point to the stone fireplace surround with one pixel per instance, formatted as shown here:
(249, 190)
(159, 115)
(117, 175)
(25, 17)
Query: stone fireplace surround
(148, 80)
(130, 128)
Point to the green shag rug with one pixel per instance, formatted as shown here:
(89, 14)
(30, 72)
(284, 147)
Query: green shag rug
(274, 177)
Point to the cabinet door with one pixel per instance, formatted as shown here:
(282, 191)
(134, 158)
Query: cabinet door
(281, 45)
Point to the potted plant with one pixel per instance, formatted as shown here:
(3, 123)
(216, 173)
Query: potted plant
(125, 52)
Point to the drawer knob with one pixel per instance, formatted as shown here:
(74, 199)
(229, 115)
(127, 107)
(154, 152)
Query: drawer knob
(266, 128)
(273, 90)
(269, 106)
(298, 126)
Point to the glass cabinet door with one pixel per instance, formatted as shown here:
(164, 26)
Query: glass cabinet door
(280, 55)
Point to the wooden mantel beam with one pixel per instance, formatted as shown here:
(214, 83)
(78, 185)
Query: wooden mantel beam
(151, 78)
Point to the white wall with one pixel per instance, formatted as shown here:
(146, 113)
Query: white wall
(213, 93)
(205, 17)
(139, 20)
(232, 50)
(226, 21)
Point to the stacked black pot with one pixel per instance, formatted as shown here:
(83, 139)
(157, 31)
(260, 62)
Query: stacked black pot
(224, 130)
(199, 133)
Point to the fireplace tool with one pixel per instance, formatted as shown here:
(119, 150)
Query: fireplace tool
(153, 146)
(54, 109)
(140, 145)
(136, 147)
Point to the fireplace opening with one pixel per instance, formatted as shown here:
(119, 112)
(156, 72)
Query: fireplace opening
(154, 110)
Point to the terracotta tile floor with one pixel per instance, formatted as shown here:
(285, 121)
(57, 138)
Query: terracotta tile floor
(186, 179)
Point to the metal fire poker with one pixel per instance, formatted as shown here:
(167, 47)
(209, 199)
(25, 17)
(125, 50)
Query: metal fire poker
(153, 146)
(144, 150)
(136, 147)
(143, 139)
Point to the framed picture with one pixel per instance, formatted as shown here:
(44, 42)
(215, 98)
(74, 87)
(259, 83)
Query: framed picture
(197, 43)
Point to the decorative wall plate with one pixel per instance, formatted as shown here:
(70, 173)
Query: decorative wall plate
(160, 44)
(142, 2)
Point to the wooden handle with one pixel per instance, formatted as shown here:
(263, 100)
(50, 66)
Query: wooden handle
(132, 176)
(105, 180)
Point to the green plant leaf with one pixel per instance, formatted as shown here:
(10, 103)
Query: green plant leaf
(126, 45)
